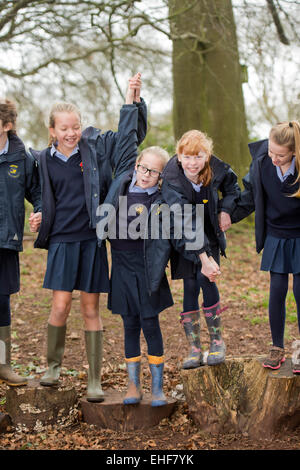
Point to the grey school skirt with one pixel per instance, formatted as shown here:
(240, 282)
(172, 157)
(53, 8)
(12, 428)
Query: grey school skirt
(281, 255)
(128, 292)
(77, 266)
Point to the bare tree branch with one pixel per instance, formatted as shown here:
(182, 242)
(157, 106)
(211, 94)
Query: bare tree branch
(277, 22)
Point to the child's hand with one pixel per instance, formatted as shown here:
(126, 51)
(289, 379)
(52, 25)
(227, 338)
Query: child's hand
(224, 221)
(209, 268)
(134, 89)
(35, 221)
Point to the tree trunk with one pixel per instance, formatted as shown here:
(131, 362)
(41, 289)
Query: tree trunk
(242, 396)
(207, 77)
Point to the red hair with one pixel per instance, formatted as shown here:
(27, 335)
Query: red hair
(192, 143)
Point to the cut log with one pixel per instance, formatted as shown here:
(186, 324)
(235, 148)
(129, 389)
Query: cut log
(242, 396)
(5, 422)
(112, 414)
(34, 407)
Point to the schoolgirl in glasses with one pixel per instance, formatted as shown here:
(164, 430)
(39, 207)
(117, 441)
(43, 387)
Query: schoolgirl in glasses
(129, 294)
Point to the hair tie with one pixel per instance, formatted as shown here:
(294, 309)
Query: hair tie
(290, 124)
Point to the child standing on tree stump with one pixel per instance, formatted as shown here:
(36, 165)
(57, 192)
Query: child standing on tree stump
(195, 176)
(76, 172)
(18, 180)
(272, 190)
(132, 294)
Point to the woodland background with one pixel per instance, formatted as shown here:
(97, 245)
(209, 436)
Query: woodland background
(230, 68)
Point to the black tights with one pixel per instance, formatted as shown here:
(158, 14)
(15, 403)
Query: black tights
(152, 333)
(191, 291)
(4, 310)
(278, 292)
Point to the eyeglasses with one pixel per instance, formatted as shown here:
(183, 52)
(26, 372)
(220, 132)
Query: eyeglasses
(144, 170)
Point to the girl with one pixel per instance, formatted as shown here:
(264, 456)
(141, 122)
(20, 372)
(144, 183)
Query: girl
(194, 176)
(76, 171)
(18, 180)
(272, 190)
(131, 296)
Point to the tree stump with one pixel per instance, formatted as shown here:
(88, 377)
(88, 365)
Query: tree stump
(242, 396)
(112, 414)
(34, 407)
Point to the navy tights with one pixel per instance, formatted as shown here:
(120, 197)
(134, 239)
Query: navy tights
(278, 291)
(152, 333)
(191, 291)
(4, 310)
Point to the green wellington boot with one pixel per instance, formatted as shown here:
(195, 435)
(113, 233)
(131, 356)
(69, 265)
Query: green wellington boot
(94, 351)
(217, 347)
(55, 352)
(191, 326)
(7, 375)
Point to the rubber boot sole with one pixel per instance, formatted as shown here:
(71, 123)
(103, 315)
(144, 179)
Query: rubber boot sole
(12, 384)
(267, 366)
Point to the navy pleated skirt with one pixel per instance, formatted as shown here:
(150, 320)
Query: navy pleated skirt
(77, 266)
(128, 292)
(9, 272)
(281, 255)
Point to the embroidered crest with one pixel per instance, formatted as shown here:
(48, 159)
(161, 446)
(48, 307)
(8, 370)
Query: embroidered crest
(139, 209)
(13, 171)
(158, 210)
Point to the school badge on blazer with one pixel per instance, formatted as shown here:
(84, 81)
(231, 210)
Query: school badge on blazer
(13, 171)
(139, 209)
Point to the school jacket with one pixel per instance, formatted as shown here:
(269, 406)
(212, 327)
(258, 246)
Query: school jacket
(177, 189)
(102, 156)
(252, 198)
(18, 180)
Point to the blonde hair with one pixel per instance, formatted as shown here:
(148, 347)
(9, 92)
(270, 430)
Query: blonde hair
(158, 151)
(191, 143)
(8, 114)
(287, 134)
(60, 108)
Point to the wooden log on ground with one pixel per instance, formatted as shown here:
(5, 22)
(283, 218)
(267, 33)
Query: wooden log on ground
(34, 407)
(242, 396)
(112, 414)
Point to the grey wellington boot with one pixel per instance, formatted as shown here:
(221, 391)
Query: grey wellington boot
(94, 351)
(134, 394)
(55, 352)
(217, 347)
(191, 326)
(7, 375)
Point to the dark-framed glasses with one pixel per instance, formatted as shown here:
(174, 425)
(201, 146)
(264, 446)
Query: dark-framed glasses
(144, 170)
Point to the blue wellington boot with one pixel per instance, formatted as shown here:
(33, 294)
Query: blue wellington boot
(191, 326)
(133, 395)
(156, 364)
(217, 347)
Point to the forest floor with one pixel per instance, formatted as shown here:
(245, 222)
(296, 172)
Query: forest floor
(243, 288)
